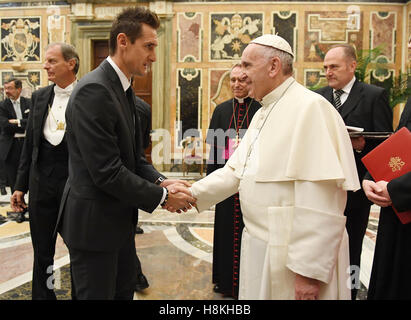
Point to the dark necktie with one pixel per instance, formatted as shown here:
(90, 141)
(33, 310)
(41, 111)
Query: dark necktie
(337, 101)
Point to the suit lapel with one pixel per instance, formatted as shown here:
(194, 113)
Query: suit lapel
(122, 99)
(329, 95)
(40, 112)
(11, 110)
(353, 98)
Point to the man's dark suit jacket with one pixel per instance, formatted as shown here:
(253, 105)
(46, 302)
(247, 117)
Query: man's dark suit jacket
(144, 112)
(366, 107)
(29, 160)
(8, 130)
(109, 178)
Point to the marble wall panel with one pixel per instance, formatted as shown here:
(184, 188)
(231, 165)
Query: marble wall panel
(189, 29)
(56, 24)
(220, 90)
(383, 30)
(189, 91)
(323, 29)
(20, 39)
(285, 25)
(231, 32)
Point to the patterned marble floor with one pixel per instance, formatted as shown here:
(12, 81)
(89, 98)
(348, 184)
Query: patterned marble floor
(175, 251)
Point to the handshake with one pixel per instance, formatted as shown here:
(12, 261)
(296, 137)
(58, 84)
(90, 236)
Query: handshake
(180, 197)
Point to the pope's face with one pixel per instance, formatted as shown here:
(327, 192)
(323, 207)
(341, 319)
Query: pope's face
(239, 83)
(339, 69)
(139, 56)
(256, 66)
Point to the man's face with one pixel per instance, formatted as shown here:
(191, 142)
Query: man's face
(11, 91)
(239, 83)
(339, 69)
(139, 56)
(256, 67)
(58, 69)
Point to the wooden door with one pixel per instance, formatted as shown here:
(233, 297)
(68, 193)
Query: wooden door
(141, 85)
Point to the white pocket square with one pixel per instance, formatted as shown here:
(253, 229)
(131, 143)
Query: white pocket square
(27, 111)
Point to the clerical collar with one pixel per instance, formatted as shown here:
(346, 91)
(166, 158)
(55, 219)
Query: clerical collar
(125, 82)
(241, 100)
(347, 88)
(277, 93)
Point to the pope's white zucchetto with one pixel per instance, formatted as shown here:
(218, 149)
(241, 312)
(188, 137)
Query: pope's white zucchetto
(274, 41)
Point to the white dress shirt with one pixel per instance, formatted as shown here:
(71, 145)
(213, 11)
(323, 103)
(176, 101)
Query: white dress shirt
(347, 88)
(56, 114)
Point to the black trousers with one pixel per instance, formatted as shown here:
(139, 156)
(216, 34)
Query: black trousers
(44, 203)
(3, 176)
(105, 275)
(11, 164)
(357, 214)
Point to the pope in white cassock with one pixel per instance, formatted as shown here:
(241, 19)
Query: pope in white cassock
(292, 170)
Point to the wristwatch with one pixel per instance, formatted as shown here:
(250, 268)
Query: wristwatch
(165, 199)
(159, 181)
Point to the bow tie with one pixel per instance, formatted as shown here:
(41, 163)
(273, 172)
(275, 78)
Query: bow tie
(61, 92)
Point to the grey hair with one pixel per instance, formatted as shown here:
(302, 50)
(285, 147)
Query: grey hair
(285, 58)
(69, 52)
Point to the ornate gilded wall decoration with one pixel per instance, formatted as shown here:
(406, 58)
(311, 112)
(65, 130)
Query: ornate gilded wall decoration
(323, 29)
(314, 78)
(230, 33)
(189, 91)
(20, 39)
(285, 25)
(383, 29)
(189, 39)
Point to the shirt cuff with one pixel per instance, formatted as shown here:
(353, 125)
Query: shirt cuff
(164, 196)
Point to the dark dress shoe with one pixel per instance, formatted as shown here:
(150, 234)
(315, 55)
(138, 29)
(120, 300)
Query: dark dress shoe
(3, 191)
(139, 230)
(142, 283)
(20, 217)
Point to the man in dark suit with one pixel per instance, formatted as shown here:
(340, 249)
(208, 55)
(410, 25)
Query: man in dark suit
(14, 111)
(109, 178)
(43, 168)
(360, 105)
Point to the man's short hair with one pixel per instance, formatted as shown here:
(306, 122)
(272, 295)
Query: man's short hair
(129, 22)
(349, 50)
(17, 83)
(285, 58)
(68, 52)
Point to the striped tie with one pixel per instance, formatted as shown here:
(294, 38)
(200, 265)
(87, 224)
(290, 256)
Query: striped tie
(337, 101)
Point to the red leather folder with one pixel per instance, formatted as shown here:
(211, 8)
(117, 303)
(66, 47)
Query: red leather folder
(391, 159)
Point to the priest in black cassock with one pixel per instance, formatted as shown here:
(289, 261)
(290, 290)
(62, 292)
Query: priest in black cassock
(228, 125)
(390, 275)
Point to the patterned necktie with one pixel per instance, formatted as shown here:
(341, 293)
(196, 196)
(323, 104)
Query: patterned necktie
(337, 101)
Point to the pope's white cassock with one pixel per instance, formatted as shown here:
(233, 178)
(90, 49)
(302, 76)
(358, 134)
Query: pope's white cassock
(292, 169)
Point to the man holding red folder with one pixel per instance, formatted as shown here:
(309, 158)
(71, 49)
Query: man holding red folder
(360, 105)
(390, 275)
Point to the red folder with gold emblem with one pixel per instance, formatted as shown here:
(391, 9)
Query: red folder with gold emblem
(389, 160)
